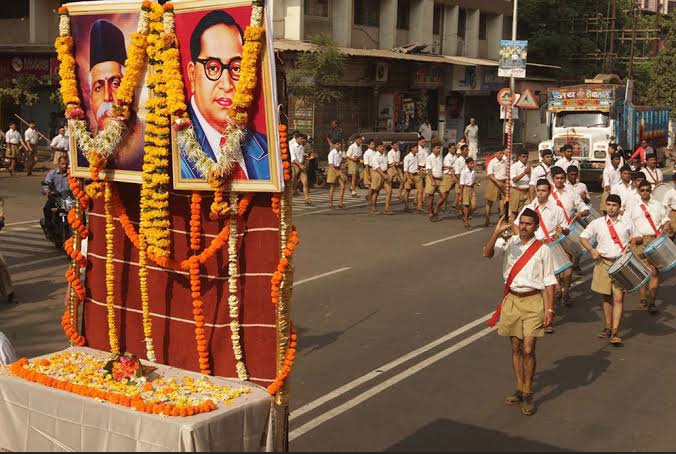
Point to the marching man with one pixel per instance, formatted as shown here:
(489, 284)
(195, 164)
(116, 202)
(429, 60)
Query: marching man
(611, 176)
(624, 188)
(527, 300)
(495, 187)
(394, 169)
(650, 220)
(434, 167)
(412, 178)
(519, 194)
(613, 234)
(566, 160)
(541, 170)
(577, 186)
(335, 174)
(651, 172)
(354, 154)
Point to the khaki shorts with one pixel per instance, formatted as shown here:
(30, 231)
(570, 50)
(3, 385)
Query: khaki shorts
(447, 183)
(493, 192)
(58, 155)
(367, 177)
(12, 151)
(518, 200)
(333, 175)
(601, 282)
(377, 181)
(522, 316)
(433, 185)
(469, 197)
(414, 182)
(395, 172)
(296, 171)
(352, 168)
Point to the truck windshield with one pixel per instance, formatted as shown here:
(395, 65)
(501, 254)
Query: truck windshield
(581, 119)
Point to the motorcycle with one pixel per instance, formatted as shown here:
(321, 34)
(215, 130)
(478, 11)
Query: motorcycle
(57, 229)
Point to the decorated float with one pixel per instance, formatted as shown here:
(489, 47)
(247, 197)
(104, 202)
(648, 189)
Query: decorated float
(178, 294)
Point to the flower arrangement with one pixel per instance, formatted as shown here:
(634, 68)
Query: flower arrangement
(233, 297)
(284, 146)
(110, 270)
(275, 202)
(126, 368)
(287, 366)
(80, 373)
(283, 265)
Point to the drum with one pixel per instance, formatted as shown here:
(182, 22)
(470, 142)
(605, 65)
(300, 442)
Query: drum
(585, 221)
(561, 260)
(661, 252)
(629, 272)
(660, 192)
(571, 242)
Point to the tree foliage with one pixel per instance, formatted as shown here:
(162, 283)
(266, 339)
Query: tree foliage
(318, 73)
(661, 91)
(23, 89)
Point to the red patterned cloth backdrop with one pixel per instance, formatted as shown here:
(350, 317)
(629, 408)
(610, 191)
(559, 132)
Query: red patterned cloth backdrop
(169, 291)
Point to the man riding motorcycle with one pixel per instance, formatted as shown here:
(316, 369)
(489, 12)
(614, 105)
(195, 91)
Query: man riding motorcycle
(54, 184)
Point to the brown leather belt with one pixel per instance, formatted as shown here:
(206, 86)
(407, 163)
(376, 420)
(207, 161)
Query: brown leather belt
(520, 189)
(525, 294)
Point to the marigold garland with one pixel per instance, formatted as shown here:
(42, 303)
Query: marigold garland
(283, 265)
(287, 366)
(275, 203)
(110, 269)
(284, 146)
(244, 203)
(233, 293)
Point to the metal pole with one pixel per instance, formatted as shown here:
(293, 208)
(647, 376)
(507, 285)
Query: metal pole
(510, 122)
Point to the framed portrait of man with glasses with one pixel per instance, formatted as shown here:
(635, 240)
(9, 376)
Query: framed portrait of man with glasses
(211, 38)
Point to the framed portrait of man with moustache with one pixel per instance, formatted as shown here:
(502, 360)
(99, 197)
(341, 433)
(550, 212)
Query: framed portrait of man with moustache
(102, 33)
(211, 37)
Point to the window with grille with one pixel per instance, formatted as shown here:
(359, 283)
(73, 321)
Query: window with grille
(367, 12)
(437, 17)
(318, 8)
(14, 9)
(482, 26)
(403, 14)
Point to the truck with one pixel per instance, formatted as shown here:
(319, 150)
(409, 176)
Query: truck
(591, 116)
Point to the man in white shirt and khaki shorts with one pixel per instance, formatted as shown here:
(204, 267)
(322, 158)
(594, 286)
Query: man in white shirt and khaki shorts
(335, 174)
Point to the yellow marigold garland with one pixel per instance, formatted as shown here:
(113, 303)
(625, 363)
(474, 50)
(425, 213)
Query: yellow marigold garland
(110, 269)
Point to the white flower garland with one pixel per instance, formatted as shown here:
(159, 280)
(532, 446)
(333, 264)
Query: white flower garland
(105, 141)
(64, 25)
(233, 300)
(257, 15)
(143, 26)
(168, 22)
(231, 151)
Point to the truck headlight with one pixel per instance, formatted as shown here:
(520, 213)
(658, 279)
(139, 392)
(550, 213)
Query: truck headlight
(599, 154)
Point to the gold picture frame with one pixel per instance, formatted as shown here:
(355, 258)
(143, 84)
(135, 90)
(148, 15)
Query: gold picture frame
(268, 80)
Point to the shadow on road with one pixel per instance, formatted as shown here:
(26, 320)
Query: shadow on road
(447, 435)
(311, 343)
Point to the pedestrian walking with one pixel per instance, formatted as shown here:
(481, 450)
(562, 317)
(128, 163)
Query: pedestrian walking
(378, 165)
(335, 173)
(613, 233)
(467, 182)
(299, 167)
(434, 166)
(31, 138)
(394, 170)
(14, 142)
(354, 154)
(527, 301)
(59, 145)
(496, 184)
(6, 287)
(472, 137)
(519, 194)
(335, 134)
(425, 130)
(412, 178)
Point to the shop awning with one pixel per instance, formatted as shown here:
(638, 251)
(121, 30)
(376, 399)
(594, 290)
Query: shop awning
(302, 46)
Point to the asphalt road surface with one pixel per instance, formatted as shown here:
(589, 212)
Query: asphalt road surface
(394, 350)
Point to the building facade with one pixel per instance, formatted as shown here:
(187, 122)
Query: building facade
(453, 79)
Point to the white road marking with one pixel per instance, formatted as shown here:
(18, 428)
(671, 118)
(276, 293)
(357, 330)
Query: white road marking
(14, 255)
(23, 222)
(319, 276)
(347, 207)
(63, 257)
(25, 229)
(6, 245)
(453, 236)
(327, 416)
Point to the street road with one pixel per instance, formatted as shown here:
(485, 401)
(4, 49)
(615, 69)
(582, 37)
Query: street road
(394, 350)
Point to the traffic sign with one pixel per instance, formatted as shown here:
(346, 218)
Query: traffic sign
(527, 100)
(505, 97)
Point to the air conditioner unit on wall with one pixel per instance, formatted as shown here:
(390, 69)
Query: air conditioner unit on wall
(382, 70)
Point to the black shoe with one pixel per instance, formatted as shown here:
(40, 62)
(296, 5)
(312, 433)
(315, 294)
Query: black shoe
(514, 399)
(528, 407)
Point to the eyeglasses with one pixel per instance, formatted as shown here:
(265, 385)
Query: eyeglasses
(644, 190)
(213, 67)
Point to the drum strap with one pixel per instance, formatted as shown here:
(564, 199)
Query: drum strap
(516, 269)
(560, 204)
(650, 219)
(543, 226)
(614, 236)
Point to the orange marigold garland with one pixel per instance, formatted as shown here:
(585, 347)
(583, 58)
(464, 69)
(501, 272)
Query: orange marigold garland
(195, 284)
(287, 367)
(276, 202)
(283, 265)
(284, 146)
(110, 269)
(244, 203)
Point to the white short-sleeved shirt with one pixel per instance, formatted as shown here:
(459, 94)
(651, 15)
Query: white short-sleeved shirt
(394, 157)
(598, 230)
(335, 158)
(565, 163)
(517, 169)
(611, 176)
(539, 172)
(449, 160)
(435, 165)
(59, 141)
(13, 137)
(657, 212)
(670, 199)
(423, 153)
(570, 201)
(354, 151)
(472, 133)
(31, 136)
(379, 161)
(626, 193)
(459, 165)
(536, 274)
(550, 215)
(467, 177)
(579, 188)
(497, 168)
(654, 177)
(368, 155)
(411, 163)
(297, 153)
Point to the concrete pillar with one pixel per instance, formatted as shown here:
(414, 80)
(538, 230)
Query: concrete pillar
(494, 25)
(388, 24)
(39, 16)
(294, 20)
(472, 33)
(422, 16)
(278, 14)
(449, 40)
(342, 17)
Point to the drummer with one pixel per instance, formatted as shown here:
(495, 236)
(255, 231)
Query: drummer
(625, 188)
(613, 233)
(670, 204)
(611, 176)
(573, 209)
(541, 170)
(552, 222)
(650, 220)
